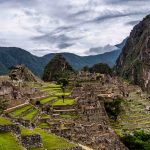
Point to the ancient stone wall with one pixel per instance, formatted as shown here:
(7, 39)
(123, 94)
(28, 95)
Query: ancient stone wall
(31, 141)
(10, 128)
(93, 129)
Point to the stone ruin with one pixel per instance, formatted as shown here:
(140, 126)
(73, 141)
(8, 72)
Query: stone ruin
(31, 141)
(10, 128)
(93, 128)
(28, 141)
(22, 73)
(18, 92)
(6, 89)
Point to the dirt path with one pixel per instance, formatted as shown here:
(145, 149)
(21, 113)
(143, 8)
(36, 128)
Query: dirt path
(85, 147)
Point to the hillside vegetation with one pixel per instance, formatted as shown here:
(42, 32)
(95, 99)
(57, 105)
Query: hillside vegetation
(57, 68)
(12, 56)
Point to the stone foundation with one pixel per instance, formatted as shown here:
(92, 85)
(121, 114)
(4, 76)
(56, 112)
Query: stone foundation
(31, 141)
(10, 128)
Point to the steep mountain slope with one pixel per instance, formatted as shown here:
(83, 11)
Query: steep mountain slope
(134, 61)
(121, 45)
(74, 60)
(56, 68)
(11, 56)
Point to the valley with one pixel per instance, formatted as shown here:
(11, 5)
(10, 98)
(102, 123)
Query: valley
(63, 101)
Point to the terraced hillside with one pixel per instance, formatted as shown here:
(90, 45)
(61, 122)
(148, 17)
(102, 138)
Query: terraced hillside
(135, 115)
(42, 121)
(52, 123)
(9, 140)
(127, 106)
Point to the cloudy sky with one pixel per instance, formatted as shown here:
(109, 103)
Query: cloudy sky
(76, 26)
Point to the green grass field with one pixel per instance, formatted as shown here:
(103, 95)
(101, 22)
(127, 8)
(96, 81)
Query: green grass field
(67, 101)
(26, 131)
(30, 115)
(4, 121)
(46, 100)
(70, 116)
(9, 142)
(52, 142)
(19, 111)
(44, 116)
(58, 93)
(43, 125)
(51, 85)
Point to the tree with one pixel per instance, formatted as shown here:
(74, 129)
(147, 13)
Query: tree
(85, 68)
(101, 68)
(63, 82)
(113, 108)
(3, 104)
(38, 103)
(138, 140)
(63, 98)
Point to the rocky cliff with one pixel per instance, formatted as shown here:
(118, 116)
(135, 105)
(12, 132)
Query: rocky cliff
(134, 61)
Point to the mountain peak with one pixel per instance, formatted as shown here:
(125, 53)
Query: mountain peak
(57, 67)
(134, 61)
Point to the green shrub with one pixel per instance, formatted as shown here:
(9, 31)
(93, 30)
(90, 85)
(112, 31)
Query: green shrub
(101, 68)
(113, 108)
(139, 140)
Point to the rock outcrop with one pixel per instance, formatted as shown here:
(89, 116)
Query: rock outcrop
(21, 72)
(134, 61)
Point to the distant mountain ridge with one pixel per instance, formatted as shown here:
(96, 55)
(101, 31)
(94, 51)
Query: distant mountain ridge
(10, 56)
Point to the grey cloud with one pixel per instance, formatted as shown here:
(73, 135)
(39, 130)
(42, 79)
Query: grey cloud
(79, 13)
(61, 41)
(124, 1)
(100, 50)
(75, 25)
(54, 38)
(29, 12)
(96, 50)
(133, 23)
(115, 15)
(64, 45)
(63, 29)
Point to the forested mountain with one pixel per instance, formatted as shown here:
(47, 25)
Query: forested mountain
(57, 68)
(11, 56)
